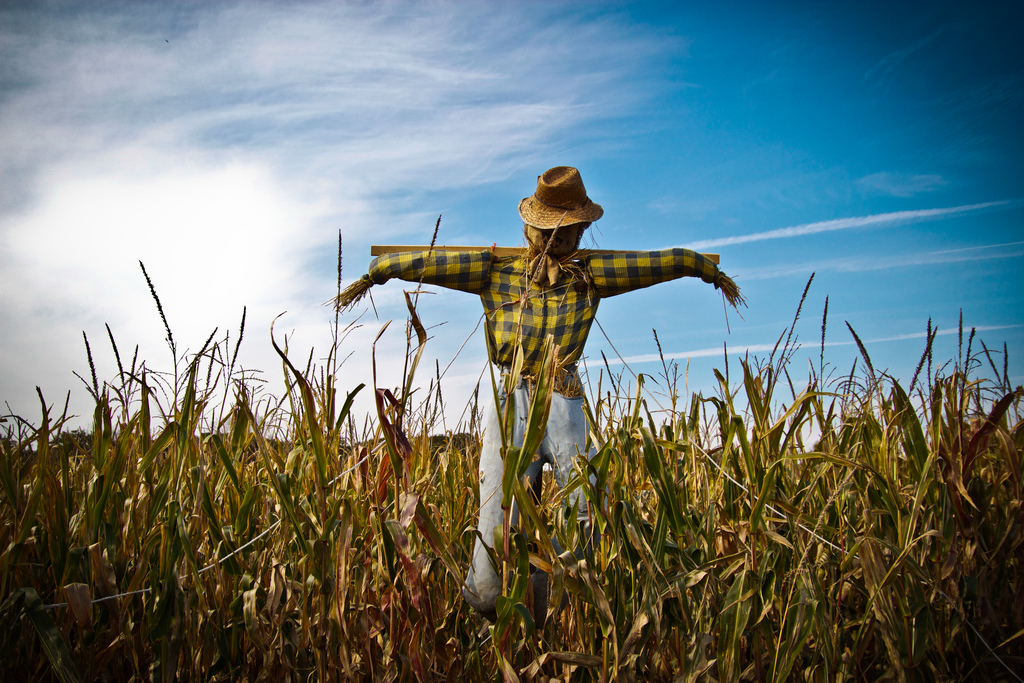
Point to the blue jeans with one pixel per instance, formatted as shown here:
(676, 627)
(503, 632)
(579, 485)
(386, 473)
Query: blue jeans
(564, 439)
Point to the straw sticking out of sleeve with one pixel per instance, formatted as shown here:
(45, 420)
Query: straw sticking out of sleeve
(351, 295)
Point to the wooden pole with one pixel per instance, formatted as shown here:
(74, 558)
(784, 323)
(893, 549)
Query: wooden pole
(380, 249)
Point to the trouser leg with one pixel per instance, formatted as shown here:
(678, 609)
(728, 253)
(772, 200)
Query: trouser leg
(483, 585)
(564, 439)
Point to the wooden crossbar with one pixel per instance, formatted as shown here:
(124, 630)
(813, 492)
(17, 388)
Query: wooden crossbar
(380, 249)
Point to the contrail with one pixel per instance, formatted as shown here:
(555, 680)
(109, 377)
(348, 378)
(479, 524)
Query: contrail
(853, 222)
(982, 252)
(760, 348)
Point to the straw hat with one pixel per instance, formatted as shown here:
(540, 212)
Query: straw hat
(560, 199)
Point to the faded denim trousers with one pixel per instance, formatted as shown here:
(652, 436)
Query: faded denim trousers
(564, 439)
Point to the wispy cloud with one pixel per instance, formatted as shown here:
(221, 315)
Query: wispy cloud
(1012, 250)
(876, 220)
(742, 350)
(351, 95)
(990, 97)
(942, 332)
(226, 144)
(860, 264)
(895, 58)
(900, 184)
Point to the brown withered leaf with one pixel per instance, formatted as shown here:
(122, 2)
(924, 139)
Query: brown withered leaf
(79, 598)
(278, 587)
(951, 560)
(104, 579)
(407, 503)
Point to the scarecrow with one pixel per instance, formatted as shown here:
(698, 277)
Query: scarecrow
(549, 287)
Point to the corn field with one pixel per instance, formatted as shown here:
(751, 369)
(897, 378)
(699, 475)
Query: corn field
(820, 528)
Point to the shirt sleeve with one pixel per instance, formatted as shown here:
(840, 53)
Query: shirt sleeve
(466, 271)
(618, 273)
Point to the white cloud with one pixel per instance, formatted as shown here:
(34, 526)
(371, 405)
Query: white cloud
(876, 220)
(211, 230)
(370, 95)
(740, 350)
(860, 264)
(225, 145)
(212, 241)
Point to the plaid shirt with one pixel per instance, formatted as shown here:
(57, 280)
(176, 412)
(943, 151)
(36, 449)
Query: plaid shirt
(520, 313)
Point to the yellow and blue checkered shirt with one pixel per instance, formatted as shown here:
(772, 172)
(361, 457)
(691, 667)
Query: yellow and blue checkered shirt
(520, 313)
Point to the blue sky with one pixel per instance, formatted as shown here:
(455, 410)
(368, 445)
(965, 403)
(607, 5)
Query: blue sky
(226, 144)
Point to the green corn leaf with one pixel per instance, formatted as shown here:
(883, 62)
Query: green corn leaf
(521, 578)
(799, 625)
(222, 453)
(540, 406)
(514, 458)
(767, 484)
(54, 645)
(309, 412)
(347, 406)
(278, 482)
(167, 434)
(390, 554)
(437, 542)
(735, 614)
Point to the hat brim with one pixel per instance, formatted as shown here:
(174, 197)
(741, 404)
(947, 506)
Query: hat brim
(540, 215)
